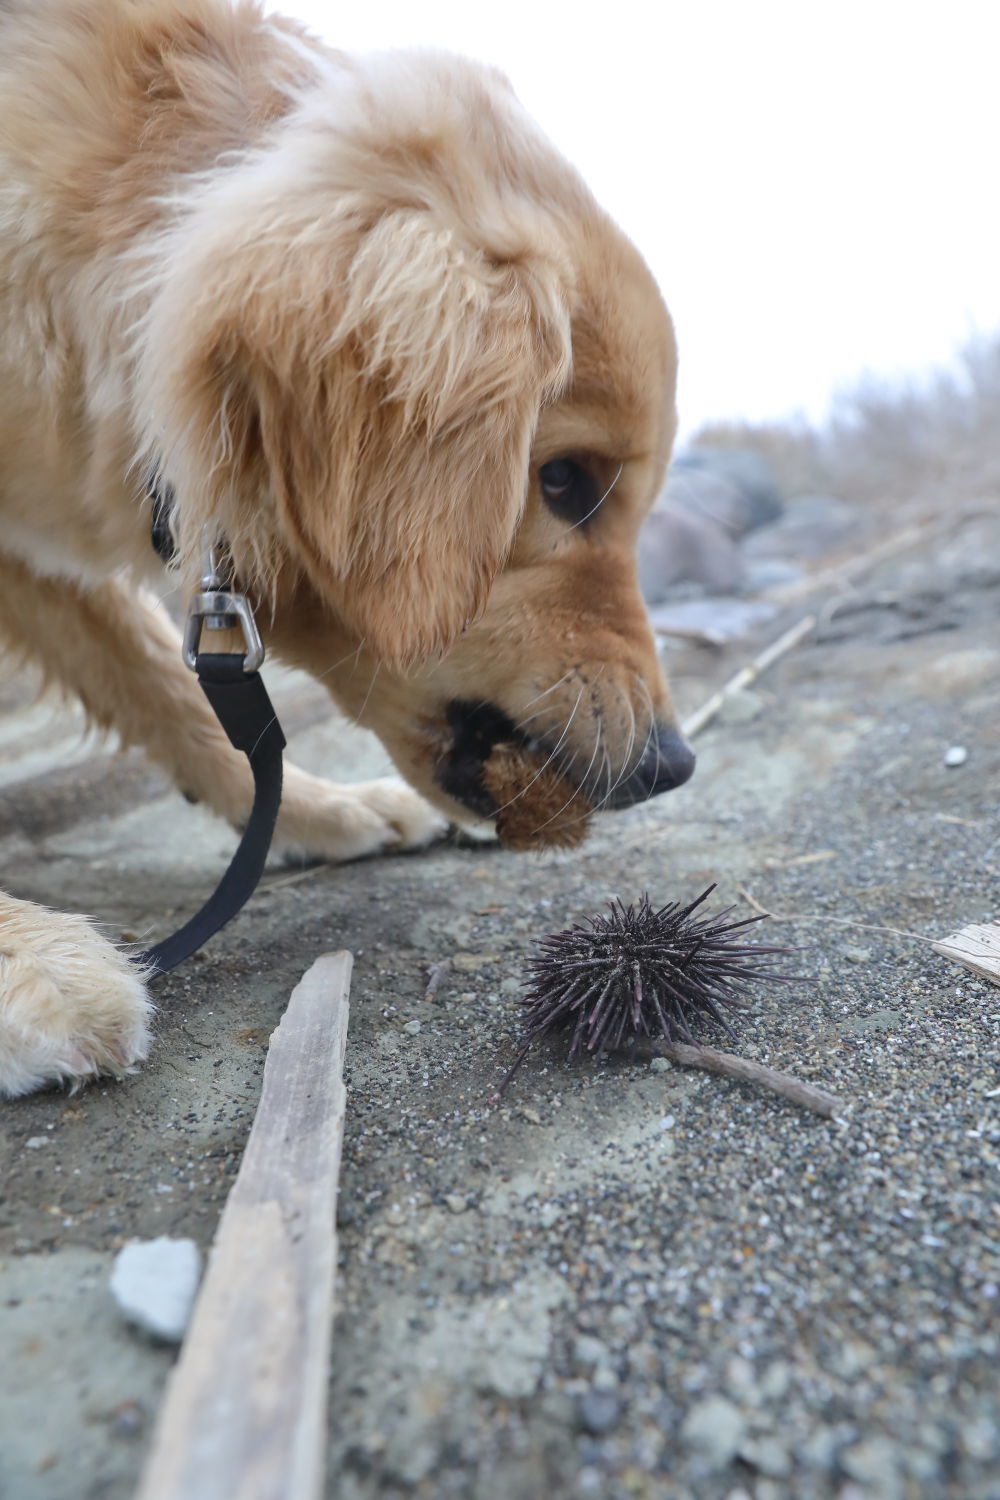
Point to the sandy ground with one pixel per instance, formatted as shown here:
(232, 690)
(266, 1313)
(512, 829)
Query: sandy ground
(629, 1280)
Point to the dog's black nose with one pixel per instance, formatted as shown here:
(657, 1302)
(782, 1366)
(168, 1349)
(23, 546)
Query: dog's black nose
(667, 762)
(672, 760)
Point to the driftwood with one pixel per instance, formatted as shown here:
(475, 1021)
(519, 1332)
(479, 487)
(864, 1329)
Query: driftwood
(713, 1061)
(244, 1417)
(977, 947)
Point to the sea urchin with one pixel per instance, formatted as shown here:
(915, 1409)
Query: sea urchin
(640, 972)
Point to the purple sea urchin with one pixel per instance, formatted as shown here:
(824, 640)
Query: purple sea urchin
(641, 972)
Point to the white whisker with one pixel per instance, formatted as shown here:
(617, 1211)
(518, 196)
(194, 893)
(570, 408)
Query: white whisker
(579, 785)
(545, 691)
(371, 685)
(600, 502)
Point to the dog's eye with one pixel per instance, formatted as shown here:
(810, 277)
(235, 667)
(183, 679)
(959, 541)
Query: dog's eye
(570, 490)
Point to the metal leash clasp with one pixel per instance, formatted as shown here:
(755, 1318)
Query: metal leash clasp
(217, 608)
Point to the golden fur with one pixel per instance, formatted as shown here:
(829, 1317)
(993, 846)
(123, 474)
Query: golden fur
(347, 308)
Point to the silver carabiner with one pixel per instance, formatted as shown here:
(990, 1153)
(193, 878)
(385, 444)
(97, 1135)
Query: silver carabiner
(219, 608)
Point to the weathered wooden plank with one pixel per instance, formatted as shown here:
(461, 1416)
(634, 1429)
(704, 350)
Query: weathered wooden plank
(977, 947)
(244, 1417)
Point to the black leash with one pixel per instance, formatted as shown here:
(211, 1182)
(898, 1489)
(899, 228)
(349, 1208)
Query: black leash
(234, 688)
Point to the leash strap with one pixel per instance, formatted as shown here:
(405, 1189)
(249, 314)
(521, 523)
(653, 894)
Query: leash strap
(234, 688)
(239, 699)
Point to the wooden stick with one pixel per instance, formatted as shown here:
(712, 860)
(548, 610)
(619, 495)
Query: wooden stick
(244, 1416)
(295, 878)
(702, 716)
(793, 1089)
(854, 567)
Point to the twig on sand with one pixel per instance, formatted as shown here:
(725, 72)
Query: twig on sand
(435, 974)
(787, 916)
(785, 643)
(713, 1061)
(841, 575)
(294, 878)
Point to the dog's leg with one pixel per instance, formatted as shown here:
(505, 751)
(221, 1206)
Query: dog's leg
(71, 1004)
(120, 654)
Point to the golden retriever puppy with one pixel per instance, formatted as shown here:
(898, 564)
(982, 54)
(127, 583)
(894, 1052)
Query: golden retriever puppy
(374, 334)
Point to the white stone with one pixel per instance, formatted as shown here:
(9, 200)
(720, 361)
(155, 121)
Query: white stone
(873, 1463)
(154, 1283)
(956, 756)
(767, 1455)
(588, 1352)
(715, 1428)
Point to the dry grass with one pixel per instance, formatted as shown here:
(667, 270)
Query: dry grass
(933, 439)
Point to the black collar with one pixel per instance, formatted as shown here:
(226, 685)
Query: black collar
(161, 531)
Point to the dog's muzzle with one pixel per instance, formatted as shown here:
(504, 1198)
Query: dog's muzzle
(475, 728)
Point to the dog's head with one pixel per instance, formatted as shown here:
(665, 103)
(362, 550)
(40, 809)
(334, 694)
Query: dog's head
(426, 389)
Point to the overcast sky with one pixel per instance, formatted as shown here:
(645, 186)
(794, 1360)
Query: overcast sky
(813, 183)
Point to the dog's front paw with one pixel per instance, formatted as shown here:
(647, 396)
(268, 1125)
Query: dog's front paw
(71, 1004)
(409, 821)
(348, 822)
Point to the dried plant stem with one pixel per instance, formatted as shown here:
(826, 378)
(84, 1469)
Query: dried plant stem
(295, 878)
(783, 916)
(704, 715)
(793, 1089)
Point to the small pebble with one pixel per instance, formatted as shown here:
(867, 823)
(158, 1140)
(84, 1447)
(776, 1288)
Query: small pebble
(455, 1204)
(873, 1463)
(741, 707)
(767, 1455)
(412, 1028)
(660, 1065)
(715, 1428)
(35, 1142)
(599, 1412)
(588, 1351)
(128, 1419)
(956, 756)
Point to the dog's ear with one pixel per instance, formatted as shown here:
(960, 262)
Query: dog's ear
(383, 399)
(400, 460)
